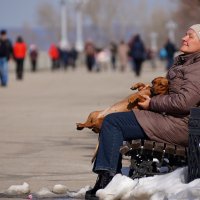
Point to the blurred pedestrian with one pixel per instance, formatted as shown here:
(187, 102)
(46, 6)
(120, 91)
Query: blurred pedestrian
(90, 53)
(103, 59)
(137, 54)
(113, 50)
(19, 52)
(123, 50)
(5, 54)
(54, 55)
(171, 50)
(73, 56)
(63, 57)
(151, 57)
(162, 54)
(33, 54)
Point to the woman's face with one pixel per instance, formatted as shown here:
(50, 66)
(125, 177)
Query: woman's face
(190, 42)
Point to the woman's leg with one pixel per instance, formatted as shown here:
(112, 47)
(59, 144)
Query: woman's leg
(116, 128)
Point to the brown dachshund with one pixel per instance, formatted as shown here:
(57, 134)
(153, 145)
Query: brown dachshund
(95, 119)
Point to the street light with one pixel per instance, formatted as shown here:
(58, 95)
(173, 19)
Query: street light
(79, 4)
(154, 36)
(64, 38)
(171, 26)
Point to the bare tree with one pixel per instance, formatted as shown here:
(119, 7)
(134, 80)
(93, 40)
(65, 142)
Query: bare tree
(157, 23)
(188, 8)
(49, 18)
(109, 19)
(102, 14)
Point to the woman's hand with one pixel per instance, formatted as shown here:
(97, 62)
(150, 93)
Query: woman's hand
(145, 104)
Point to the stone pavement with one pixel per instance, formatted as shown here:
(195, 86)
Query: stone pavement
(39, 143)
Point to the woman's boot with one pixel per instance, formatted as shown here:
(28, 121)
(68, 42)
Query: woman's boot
(102, 181)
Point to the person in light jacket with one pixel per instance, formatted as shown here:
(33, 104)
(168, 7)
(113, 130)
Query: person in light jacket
(164, 118)
(123, 50)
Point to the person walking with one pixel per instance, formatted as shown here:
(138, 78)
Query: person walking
(123, 50)
(90, 55)
(33, 54)
(137, 54)
(5, 54)
(171, 50)
(113, 51)
(73, 57)
(164, 118)
(54, 55)
(19, 52)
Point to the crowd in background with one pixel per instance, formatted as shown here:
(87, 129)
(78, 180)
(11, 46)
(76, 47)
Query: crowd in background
(120, 55)
(16, 51)
(116, 56)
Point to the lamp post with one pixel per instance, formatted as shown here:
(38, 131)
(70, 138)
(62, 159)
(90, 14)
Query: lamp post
(79, 31)
(79, 23)
(64, 38)
(78, 4)
(171, 26)
(154, 36)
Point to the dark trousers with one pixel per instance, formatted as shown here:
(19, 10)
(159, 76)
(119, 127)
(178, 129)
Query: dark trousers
(116, 128)
(33, 65)
(19, 68)
(90, 62)
(54, 64)
(113, 61)
(137, 64)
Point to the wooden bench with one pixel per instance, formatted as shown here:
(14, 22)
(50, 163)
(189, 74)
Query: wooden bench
(150, 158)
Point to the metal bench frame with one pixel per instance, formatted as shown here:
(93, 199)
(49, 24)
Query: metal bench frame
(150, 158)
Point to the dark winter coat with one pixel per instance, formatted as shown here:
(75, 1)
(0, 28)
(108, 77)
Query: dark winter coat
(5, 49)
(168, 119)
(138, 50)
(171, 49)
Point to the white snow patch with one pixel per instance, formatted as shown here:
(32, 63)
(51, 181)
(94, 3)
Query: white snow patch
(18, 189)
(171, 186)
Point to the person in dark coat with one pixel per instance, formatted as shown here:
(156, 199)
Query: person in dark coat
(33, 54)
(164, 118)
(5, 54)
(171, 50)
(113, 51)
(90, 55)
(73, 56)
(137, 54)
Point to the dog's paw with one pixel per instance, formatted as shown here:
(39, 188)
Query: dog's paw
(95, 130)
(79, 126)
(138, 86)
(132, 99)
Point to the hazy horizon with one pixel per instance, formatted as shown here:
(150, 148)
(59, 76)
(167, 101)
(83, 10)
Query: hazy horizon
(19, 13)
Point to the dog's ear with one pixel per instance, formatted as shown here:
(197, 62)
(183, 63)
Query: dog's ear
(164, 82)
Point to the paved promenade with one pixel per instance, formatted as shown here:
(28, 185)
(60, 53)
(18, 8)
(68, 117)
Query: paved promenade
(39, 143)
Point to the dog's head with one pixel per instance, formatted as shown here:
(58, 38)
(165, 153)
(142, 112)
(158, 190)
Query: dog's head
(159, 86)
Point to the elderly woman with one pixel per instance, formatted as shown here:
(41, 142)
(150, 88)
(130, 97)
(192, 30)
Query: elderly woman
(164, 118)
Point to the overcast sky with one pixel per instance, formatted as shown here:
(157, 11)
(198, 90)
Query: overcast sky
(15, 13)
